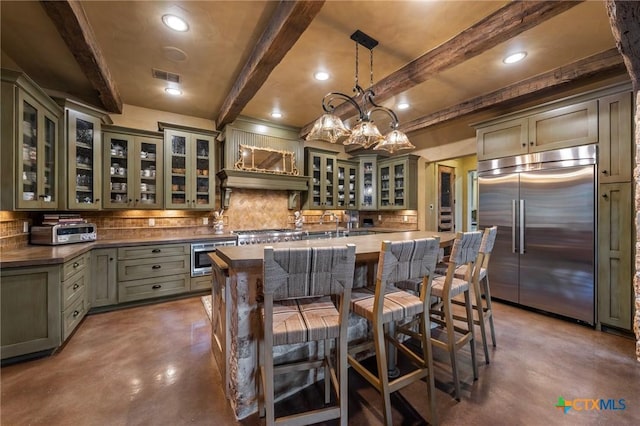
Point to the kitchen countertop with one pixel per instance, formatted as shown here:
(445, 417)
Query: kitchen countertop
(367, 246)
(33, 255)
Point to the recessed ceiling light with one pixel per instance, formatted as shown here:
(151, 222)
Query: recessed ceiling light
(175, 23)
(402, 105)
(276, 114)
(173, 91)
(514, 57)
(321, 76)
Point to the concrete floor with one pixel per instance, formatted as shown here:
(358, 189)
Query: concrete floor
(152, 365)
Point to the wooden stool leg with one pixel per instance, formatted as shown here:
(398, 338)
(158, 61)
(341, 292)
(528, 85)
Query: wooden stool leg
(480, 309)
(381, 358)
(451, 344)
(487, 296)
(472, 342)
(269, 387)
(427, 355)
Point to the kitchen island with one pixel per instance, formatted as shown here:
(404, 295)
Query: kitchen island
(237, 288)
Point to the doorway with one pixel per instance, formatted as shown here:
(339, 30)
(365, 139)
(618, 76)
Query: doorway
(446, 199)
(472, 201)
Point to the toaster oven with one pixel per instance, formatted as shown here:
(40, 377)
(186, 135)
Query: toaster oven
(53, 235)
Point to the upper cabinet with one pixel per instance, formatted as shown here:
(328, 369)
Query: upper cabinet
(615, 158)
(82, 144)
(189, 169)
(322, 169)
(132, 177)
(368, 175)
(30, 128)
(348, 184)
(397, 183)
(551, 128)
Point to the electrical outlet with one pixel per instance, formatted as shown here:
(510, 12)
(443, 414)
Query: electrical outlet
(405, 219)
(205, 220)
(152, 222)
(25, 226)
(379, 218)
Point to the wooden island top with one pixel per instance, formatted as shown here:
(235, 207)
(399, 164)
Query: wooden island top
(367, 246)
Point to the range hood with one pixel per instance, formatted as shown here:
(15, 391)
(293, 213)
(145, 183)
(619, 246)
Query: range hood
(230, 178)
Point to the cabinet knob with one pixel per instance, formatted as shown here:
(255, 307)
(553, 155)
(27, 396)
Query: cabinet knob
(129, 199)
(531, 143)
(76, 286)
(605, 196)
(137, 201)
(604, 172)
(155, 287)
(76, 264)
(76, 313)
(111, 259)
(156, 267)
(97, 200)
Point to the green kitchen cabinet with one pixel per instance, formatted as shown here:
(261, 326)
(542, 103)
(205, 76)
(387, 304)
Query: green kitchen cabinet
(104, 281)
(348, 188)
(368, 179)
(30, 138)
(397, 184)
(190, 180)
(322, 168)
(132, 169)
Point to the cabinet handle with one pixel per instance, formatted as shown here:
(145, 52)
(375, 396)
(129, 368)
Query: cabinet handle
(156, 251)
(76, 313)
(604, 172)
(76, 286)
(156, 267)
(76, 264)
(155, 287)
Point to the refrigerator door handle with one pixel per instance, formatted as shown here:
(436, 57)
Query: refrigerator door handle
(513, 226)
(522, 243)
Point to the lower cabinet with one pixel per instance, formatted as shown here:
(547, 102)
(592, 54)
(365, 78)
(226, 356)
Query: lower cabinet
(30, 310)
(201, 283)
(104, 282)
(75, 303)
(615, 247)
(146, 272)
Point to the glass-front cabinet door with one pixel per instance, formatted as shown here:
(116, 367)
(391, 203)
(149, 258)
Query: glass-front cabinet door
(347, 185)
(85, 171)
(397, 184)
(37, 169)
(322, 169)
(368, 183)
(132, 171)
(189, 165)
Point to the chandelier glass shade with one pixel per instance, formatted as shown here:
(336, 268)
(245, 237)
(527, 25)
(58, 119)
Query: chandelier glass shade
(330, 128)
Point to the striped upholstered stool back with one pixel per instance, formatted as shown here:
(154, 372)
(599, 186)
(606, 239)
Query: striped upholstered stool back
(488, 240)
(303, 272)
(465, 247)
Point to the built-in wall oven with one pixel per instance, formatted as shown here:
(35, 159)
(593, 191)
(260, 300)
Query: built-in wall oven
(200, 261)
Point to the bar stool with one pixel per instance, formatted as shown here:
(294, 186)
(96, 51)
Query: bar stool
(385, 304)
(298, 283)
(464, 252)
(480, 282)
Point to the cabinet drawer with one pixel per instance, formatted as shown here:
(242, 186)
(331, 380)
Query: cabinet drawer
(72, 316)
(140, 252)
(201, 283)
(73, 287)
(154, 267)
(75, 265)
(152, 287)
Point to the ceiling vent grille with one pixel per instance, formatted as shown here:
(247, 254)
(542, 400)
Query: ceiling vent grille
(165, 75)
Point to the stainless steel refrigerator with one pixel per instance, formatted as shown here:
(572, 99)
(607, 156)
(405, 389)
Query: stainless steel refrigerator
(544, 206)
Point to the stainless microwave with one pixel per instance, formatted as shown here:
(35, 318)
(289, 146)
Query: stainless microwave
(200, 260)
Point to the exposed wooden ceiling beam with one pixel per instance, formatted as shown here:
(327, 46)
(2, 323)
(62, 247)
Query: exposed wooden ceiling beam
(603, 62)
(72, 24)
(507, 22)
(289, 21)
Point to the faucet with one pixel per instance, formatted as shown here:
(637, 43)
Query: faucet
(331, 217)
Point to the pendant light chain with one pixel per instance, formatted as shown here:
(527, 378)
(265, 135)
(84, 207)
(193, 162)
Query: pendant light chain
(371, 68)
(355, 89)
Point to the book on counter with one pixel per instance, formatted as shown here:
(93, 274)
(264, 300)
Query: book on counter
(62, 219)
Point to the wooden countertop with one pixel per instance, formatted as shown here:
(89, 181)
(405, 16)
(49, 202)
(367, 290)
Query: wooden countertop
(33, 255)
(367, 246)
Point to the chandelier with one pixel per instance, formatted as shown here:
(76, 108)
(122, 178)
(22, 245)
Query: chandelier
(330, 128)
